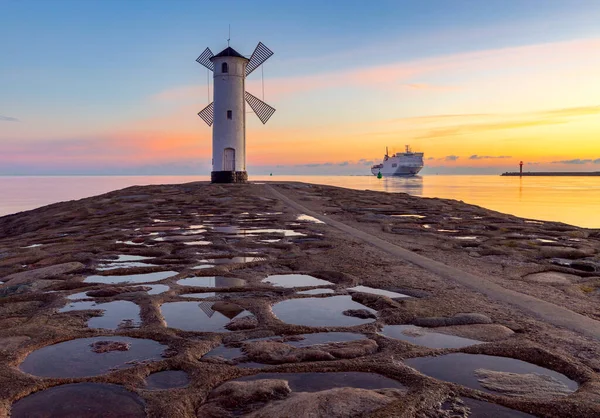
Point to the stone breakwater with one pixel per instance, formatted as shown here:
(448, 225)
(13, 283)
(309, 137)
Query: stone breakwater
(227, 300)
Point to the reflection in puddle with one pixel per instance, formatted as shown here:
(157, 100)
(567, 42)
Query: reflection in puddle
(212, 281)
(197, 243)
(117, 314)
(127, 257)
(126, 265)
(326, 311)
(77, 400)
(409, 216)
(131, 278)
(316, 292)
(33, 246)
(203, 316)
(375, 291)
(295, 280)
(426, 338)
(316, 382)
(78, 296)
(307, 218)
(169, 379)
(447, 230)
(157, 289)
(461, 368)
(75, 358)
(204, 295)
(546, 241)
(467, 238)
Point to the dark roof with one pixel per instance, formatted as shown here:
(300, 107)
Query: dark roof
(229, 52)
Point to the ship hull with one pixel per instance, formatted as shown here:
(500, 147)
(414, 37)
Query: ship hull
(397, 172)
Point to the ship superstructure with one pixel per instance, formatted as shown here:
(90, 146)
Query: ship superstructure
(408, 163)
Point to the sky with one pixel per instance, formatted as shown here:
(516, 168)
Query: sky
(111, 87)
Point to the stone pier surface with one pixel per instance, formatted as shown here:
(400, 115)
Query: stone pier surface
(292, 299)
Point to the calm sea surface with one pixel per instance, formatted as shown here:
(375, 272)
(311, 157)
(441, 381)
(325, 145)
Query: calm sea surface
(573, 200)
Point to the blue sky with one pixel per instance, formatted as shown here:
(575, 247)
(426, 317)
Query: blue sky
(80, 72)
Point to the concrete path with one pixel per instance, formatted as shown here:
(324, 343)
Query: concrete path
(539, 308)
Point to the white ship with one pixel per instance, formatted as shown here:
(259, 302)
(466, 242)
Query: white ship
(407, 163)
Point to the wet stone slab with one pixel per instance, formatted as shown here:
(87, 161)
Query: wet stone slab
(481, 372)
(90, 400)
(375, 291)
(131, 278)
(169, 379)
(295, 280)
(320, 312)
(316, 382)
(212, 281)
(116, 314)
(77, 358)
(424, 337)
(203, 316)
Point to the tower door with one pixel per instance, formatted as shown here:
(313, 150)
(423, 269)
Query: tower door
(229, 159)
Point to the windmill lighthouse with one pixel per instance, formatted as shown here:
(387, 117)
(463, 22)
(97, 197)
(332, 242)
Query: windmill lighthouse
(228, 110)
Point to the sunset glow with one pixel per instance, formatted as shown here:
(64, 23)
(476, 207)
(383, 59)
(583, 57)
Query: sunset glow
(477, 97)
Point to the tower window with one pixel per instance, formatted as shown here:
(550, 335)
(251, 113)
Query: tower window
(224, 68)
(229, 114)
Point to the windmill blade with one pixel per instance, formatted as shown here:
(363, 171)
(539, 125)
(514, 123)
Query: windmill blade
(208, 114)
(261, 54)
(204, 59)
(262, 110)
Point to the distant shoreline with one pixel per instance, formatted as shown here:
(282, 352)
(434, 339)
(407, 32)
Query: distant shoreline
(552, 174)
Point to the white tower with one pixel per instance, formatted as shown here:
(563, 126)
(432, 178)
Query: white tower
(228, 110)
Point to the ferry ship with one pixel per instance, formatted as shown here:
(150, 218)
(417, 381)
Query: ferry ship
(407, 163)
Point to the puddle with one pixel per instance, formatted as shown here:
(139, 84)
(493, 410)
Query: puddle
(80, 400)
(534, 222)
(203, 266)
(203, 316)
(447, 230)
(116, 314)
(285, 232)
(375, 291)
(79, 296)
(131, 278)
(546, 241)
(426, 226)
(295, 280)
(321, 312)
(33, 246)
(126, 265)
(408, 216)
(198, 243)
(308, 218)
(460, 368)
(423, 337)
(131, 243)
(316, 292)
(233, 260)
(468, 238)
(157, 289)
(482, 409)
(76, 358)
(212, 281)
(169, 379)
(316, 382)
(127, 257)
(204, 295)
(196, 227)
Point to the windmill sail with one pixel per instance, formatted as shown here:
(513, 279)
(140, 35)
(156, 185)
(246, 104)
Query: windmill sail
(204, 59)
(208, 114)
(262, 110)
(261, 54)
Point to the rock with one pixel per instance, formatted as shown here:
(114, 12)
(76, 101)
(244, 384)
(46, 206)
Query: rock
(246, 322)
(458, 319)
(552, 277)
(113, 291)
(481, 332)
(9, 344)
(565, 252)
(517, 384)
(333, 403)
(233, 395)
(26, 277)
(360, 313)
(107, 346)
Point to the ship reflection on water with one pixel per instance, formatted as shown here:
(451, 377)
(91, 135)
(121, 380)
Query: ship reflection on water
(398, 184)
